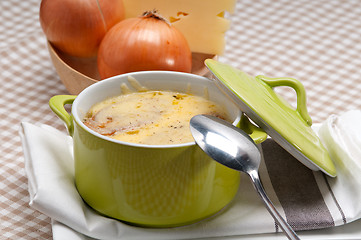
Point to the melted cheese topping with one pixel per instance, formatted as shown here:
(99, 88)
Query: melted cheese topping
(151, 117)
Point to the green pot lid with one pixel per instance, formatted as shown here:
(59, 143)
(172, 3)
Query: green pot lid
(289, 127)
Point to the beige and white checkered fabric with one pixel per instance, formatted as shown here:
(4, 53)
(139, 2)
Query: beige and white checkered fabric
(316, 42)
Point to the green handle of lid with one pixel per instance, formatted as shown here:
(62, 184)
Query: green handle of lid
(57, 104)
(300, 91)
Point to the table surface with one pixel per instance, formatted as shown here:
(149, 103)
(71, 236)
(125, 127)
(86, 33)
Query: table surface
(316, 42)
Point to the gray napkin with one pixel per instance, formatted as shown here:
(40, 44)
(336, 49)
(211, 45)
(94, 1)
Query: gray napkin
(297, 189)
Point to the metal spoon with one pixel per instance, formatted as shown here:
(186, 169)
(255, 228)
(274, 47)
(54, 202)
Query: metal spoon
(233, 148)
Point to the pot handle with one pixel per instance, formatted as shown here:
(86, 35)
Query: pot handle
(57, 104)
(300, 91)
(256, 133)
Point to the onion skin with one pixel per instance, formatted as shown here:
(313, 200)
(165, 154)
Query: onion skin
(141, 44)
(77, 27)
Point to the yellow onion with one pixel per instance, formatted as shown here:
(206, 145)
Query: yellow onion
(145, 43)
(77, 27)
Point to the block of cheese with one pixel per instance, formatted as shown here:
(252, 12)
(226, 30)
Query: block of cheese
(202, 22)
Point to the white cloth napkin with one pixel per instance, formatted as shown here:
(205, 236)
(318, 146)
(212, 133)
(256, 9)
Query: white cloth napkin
(49, 167)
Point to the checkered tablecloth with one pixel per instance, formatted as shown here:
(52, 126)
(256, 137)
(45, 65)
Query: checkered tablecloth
(314, 41)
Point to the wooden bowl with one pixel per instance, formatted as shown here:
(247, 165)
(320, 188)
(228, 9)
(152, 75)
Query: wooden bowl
(79, 73)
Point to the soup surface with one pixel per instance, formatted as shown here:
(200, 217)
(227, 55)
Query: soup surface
(150, 117)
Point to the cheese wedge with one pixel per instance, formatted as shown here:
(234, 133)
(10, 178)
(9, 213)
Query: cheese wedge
(202, 22)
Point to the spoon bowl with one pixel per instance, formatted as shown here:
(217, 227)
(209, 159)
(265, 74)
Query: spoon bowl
(233, 148)
(228, 145)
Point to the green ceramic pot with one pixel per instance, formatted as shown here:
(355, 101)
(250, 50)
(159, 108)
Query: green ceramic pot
(149, 185)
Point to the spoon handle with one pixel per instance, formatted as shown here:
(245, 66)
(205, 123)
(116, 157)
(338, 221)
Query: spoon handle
(290, 233)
